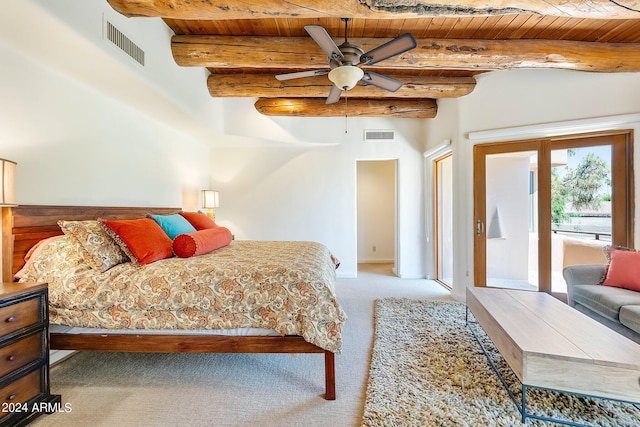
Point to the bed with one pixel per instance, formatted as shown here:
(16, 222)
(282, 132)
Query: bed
(24, 226)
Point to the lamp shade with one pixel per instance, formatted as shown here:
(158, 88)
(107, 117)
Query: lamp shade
(7, 176)
(210, 199)
(346, 76)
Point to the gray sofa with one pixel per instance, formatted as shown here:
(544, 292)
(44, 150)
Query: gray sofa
(617, 308)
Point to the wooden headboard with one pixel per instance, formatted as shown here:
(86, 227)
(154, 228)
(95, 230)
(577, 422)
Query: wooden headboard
(25, 225)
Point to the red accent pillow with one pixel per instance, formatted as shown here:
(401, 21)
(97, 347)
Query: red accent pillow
(201, 241)
(199, 220)
(143, 240)
(624, 270)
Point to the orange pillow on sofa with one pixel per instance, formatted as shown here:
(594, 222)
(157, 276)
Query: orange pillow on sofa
(143, 240)
(624, 270)
(201, 241)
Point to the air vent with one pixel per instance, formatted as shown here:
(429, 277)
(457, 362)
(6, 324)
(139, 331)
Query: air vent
(124, 43)
(379, 135)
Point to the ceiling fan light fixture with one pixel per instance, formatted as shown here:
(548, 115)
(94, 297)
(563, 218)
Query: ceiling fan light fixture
(346, 76)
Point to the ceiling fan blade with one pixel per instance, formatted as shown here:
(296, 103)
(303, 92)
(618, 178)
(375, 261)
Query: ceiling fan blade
(334, 95)
(391, 48)
(324, 40)
(300, 74)
(383, 82)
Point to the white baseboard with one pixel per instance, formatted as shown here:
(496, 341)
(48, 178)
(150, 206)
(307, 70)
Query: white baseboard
(56, 356)
(375, 261)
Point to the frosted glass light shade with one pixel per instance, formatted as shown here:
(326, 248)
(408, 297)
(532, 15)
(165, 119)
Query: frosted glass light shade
(7, 186)
(210, 199)
(346, 76)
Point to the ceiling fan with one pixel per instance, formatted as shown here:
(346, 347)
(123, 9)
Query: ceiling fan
(346, 60)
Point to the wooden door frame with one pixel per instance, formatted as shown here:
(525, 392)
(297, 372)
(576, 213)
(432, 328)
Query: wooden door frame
(622, 210)
(437, 219)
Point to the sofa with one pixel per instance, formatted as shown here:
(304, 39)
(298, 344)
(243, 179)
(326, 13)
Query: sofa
(615, 307)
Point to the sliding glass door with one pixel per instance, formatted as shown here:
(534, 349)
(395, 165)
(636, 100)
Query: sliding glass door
(541, 205)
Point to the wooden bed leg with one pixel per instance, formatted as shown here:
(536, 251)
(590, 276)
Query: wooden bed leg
(329, 375)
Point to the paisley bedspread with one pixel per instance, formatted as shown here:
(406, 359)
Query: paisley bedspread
(287, 286)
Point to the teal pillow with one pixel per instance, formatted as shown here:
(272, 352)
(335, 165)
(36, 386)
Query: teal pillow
(173, 224)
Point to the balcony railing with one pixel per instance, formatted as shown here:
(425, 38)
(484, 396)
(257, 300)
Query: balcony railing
(598, 234)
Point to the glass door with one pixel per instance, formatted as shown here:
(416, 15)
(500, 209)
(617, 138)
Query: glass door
(509, 222)
(542, 205)
(444, 219)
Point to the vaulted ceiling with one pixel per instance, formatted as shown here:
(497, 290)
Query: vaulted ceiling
(244, 44)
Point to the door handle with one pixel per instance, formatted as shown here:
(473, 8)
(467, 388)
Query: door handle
(479, 228)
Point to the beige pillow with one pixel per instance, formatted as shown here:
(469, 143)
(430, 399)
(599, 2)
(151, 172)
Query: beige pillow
(99, 250)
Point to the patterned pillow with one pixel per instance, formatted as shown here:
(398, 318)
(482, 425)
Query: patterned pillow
(98, 249)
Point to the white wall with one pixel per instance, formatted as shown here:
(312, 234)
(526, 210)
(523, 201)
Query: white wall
(74, 145)
(523, 104)
(295, 178)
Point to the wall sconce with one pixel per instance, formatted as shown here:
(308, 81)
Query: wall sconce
(7, 179)
(210, 200)
(495, 227)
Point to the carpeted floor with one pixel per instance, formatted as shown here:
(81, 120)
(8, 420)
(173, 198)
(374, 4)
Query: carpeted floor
(116, 389)
(428, 370)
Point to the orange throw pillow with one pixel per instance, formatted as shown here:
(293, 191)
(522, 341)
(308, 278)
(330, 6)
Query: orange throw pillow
(199, 220)
(624, 270)
(143, 240)
(201, 241)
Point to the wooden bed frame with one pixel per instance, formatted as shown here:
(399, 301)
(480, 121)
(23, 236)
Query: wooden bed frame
(23, 226)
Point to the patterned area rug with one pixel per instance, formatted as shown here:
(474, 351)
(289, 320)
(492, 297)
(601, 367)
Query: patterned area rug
(428, 370)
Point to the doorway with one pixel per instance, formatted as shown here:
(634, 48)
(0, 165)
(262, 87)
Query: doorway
(376, 212)
(534, 199)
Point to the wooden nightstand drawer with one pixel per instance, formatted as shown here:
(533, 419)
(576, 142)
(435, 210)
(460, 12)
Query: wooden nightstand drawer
(20, 315)
(21, 390)
(20, 353)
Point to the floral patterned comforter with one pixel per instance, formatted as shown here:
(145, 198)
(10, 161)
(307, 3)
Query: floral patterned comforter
(287, 286)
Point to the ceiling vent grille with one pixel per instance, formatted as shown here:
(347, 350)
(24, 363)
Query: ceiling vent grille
(124, 43)
(379, 135)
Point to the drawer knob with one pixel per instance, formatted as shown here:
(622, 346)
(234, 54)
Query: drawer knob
(11, 358)
(11, 397)
(10, 319)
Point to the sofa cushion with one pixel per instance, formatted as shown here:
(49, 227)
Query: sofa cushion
(630, 317)
(605, 300)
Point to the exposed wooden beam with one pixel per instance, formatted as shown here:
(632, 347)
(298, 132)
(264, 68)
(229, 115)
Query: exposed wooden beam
(266, 85)
(377, 9)
(297, 53)
(316, 107)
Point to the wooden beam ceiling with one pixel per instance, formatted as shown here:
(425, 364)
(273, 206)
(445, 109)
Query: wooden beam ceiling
(245, 43)
(266, 85)
(296, 53)
(316, 107)
(375, 9)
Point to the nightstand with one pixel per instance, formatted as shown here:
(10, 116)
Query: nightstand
(24, 354)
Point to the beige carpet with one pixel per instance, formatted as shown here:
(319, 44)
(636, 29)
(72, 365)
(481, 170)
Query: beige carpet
(116, 389)
(428, 370)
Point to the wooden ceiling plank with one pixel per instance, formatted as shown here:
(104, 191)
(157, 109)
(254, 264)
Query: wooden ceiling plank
(470, 54)
(527, 24)
(354, 107)
(493, 33)
(266, 85)
(244, 9)
(621, 32)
